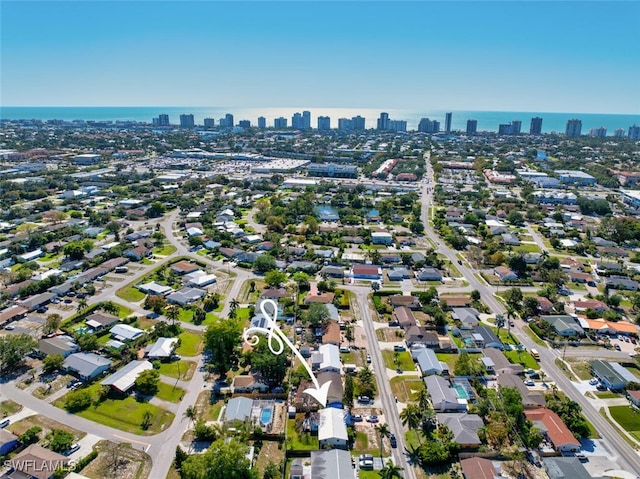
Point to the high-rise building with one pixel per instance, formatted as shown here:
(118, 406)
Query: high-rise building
(383, 122)
(187, 121)
(345, 124)
(505, 129)
(428, 126)
(598, 132)
(574, 127)
(209, 122)
(472, 127)
(297, 122)
(536, 126)
(397, 125)
(324, 123)
(244, 124)
(358, 123)
(163, 120)
(306, 120)
(516, 127)
(262, 122)
(447, 122)
(228, 120)
(280, 122)
(634, 132)
(619, 133)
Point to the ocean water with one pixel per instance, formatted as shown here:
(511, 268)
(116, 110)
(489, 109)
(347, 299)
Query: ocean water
(487, 120)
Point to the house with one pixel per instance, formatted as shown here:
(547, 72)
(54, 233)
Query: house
(464, 428)
(98, 321)
(199, 279)
(530, 399)
(427, 361)
(565, 467)
(125, 332)
(510, 239)
(8, 442)
(613, 375)
(36, 462)
(500, 362)
(184, 267)
(469, 317)
(62, 345)
(505, 274)
(381, 237)
(37, 300)
(274, 293)
(154, 289)
(193, 231)
(485, 338)
(332, 430)
(162, 349)
(186, 296)
(411, 302)
(634, 397)
(86, 365)
(398, 274)
(579, 277)
(583, 305)
(247, 383)
(333, 271)
(620, 282)
(330, 464)
(336, 390)
(443, 396)
(331, 333)
(606, 268)
(455, 301)
(603, 326)
(544, 304)
(366, 271)
(327, 359)
(478, 468)
(419, 336)
(308, 266)
(238, 409)
(137, 253)
(404, 317)
(324, 298)
(552, 426)
(125, 378)
(428, 274)
(564, 325)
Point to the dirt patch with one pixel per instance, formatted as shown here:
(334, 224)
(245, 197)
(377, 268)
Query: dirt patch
(118, 460)
(390, 334)
(47, 425)
(271, 451)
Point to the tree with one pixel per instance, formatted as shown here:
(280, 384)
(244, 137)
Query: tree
(110, 307)
(271, 471)
(30, 436)
(390, 471)
(375, 285)
(475, 295)
(191, 413)
(515, 218)
(147, 382)
(513, 297)
(234, 304)
(172, 312)
(199, 315)
(147, 418)
(223, 460)
(302, 280)
(264, 263)
(13, 349)
(500, 322)
(52, 363)
(518, 264)
(317, 315)
(78, 400)
(275, 278)
(273, 367)
(347, 395)
(383, 431)
(155, 303)
(529, 307)
(87, 342)
(366, 384)
(74, 250)
(222, 339)
(52, 324)
(82, 305)
(411, 417)
(59, 440)
(156, 210)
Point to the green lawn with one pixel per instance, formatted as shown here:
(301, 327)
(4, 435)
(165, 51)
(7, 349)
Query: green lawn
(167, 392)
(301, 442)
(123, 311)
(165, 250)
(125, 414)
(406, 388)
(405, 362)
(607, 395)
(129, 293)
(527, 248)
(186, 315)
(178, 369)
(522, 357)
(242, 313)
(627, 417)
(448, 358)
(362, 446)
(536, 339)
(8, 407)
(190, 344)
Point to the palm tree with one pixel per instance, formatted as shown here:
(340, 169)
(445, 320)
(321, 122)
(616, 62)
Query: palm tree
(390, 471)
(82, 305)
(383, 431)
(191, 413)
(109, 307)
(234, 303)
(500, 323)
(411, 417)
(172, 313)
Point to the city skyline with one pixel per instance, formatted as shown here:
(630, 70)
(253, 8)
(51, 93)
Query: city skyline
(457, 55)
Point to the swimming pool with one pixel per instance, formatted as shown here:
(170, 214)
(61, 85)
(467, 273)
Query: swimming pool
(460, 390)
(265, 415)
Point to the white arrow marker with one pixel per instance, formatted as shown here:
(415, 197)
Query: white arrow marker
(277, 339)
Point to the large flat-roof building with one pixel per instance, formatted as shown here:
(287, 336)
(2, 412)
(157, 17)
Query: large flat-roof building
(332, 170)
(613, 375)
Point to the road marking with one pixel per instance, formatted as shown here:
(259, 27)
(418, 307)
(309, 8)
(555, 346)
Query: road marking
(132, 440)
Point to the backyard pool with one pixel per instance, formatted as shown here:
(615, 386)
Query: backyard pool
(265, 416)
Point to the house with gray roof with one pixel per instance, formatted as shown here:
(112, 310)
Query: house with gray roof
(485, 338)
(155, 289)
(86, 365)
(186, 296)
(62, 345)
(443, 396)
(125, 332)
(427, 361)
(564, 325)
(620, 282)
(530, 399)
(238, 409)
(568, 467)
(428, 274)
(467, 316)
(100, 320)
(464, 428)
(398, 274)
(331, 464)
(125, 378)
(500, 362)
(162, 349)
(612, 374)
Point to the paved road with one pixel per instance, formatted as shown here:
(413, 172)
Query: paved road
(627, 457)
(384, 387)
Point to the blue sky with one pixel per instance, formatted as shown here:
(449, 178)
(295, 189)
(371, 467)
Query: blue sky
(537, 55)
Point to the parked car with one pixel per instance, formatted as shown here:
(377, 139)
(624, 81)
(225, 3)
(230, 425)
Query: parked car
(368, 359)
(364, 399)
(373, 419)
(10, 327)
(399, 348)
(4, 423)
(72, 449)
(617, 346)
(581, 457)
(356, 418)
(601, 387)
(529, 382)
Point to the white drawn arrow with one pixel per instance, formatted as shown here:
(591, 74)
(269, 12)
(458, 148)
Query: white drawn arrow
(277, 340)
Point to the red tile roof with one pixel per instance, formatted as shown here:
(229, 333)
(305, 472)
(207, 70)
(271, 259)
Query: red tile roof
(557, 431)
(478, 468)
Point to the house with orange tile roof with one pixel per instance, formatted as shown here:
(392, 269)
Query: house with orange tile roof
(554, 429)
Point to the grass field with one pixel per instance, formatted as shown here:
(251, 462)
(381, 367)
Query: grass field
(190, 344)
(607, 394)
(129, 293)
(527, 248)
(580, 368)
(167, 392)
(178, 369)
(628, 418)
(405, 362)
(536, 339)
(406, 388)
(165, 250)
(186, 315)
(301, 442)
(522, 357)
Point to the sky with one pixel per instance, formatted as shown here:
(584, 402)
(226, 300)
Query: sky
(548, 56)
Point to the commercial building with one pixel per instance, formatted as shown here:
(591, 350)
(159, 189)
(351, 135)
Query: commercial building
(598, 132)
(332, 170)
(613, 375)
(574, 128)
(536, 126)
(187, 121)
(262, 122)
(630, 197)
(162, 120)
(87, 159)
(209, 123)
(472, 127)
(383, 122)
(447, 122)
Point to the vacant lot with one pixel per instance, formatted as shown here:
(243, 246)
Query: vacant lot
(190, 344)
(182, 370)
(398, 360)
(628, 418)
(47, 425)
(406, 388)
(119, 461)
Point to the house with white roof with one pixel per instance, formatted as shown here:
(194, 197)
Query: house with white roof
(125, 332)
(327, 359)
(199, 279)
(163, 348)
(332, 430)
(124, 379)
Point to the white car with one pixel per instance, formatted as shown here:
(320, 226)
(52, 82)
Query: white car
(529, 382)
(593, 381)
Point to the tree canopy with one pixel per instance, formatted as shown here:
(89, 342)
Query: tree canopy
(223, 460)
